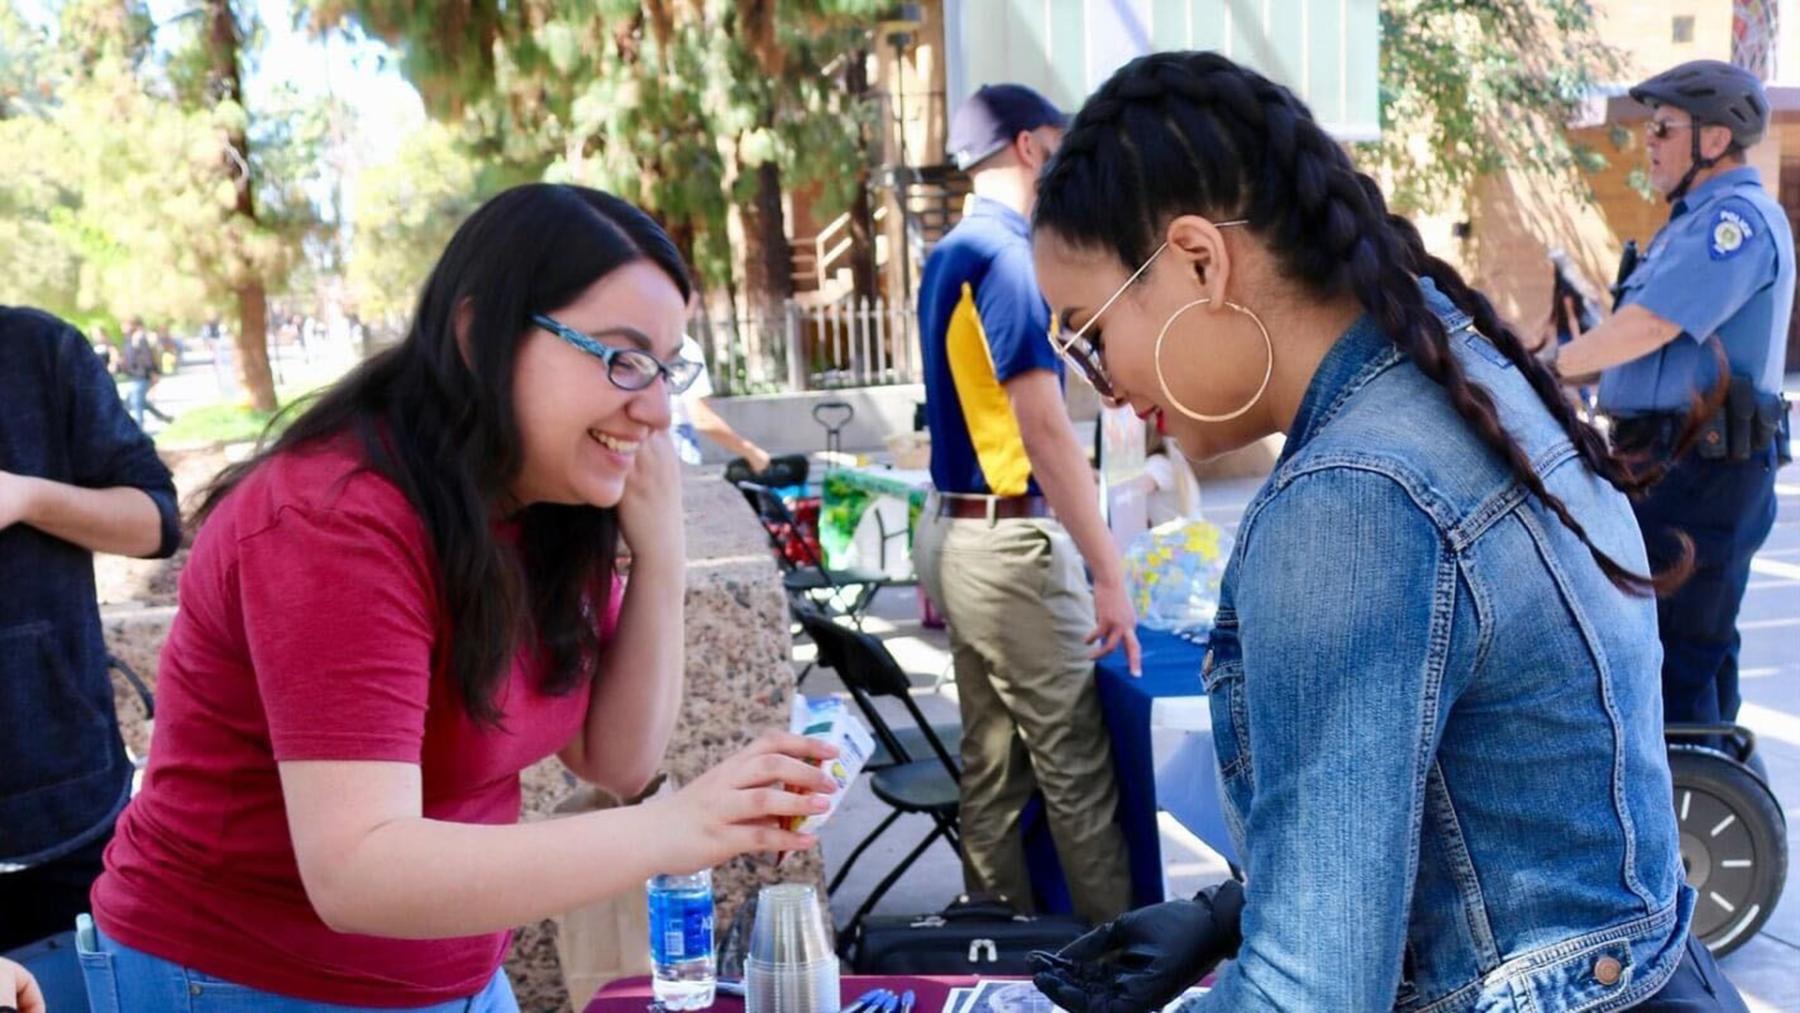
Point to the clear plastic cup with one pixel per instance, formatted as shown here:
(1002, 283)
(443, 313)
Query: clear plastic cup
(789, 927)
(791, 967)
(791, 988)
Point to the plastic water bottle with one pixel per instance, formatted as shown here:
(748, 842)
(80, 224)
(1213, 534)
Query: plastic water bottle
(681, 940)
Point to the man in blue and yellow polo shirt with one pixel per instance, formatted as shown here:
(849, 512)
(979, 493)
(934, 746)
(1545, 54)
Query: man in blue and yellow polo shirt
(1001, 548)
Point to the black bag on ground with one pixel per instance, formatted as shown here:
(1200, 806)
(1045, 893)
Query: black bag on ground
(976, 935)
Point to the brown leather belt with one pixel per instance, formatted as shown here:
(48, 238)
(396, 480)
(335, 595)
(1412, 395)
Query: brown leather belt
(1002, 507)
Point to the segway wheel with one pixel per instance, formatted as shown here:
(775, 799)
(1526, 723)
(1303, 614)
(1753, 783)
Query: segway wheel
(1733, 845)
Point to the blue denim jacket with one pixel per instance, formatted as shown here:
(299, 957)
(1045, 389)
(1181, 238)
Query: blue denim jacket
(64, 775)
(1438, 724)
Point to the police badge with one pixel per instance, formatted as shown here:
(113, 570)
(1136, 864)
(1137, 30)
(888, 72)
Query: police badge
(1729, 230)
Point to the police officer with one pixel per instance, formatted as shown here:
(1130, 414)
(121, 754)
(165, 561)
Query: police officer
(1704, 312)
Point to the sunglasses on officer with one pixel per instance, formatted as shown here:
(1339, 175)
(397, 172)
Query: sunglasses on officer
(1661, 129)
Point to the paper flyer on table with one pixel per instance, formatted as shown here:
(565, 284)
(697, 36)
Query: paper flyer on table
(1014, 996)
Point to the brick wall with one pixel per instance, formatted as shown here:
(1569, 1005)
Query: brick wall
(1644, 31)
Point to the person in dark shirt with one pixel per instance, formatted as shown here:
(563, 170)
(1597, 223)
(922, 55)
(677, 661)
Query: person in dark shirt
(143, 364)
(77, 477)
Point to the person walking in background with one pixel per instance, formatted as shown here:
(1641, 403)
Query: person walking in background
(106, 352)
(1016, 514)
(142, 366)
(1572, 312)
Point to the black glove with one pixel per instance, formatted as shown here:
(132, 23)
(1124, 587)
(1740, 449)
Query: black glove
(1144, 959)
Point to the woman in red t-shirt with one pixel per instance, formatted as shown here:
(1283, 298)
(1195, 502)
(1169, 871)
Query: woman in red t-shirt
(405, 601)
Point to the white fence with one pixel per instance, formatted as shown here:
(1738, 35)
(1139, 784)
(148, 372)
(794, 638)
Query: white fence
(850, 343)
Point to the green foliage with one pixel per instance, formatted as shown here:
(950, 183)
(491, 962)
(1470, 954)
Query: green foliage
(406, 211)
(224, 422)
(669, 103)
(1468, 89)
(116, 197)
(234, 421)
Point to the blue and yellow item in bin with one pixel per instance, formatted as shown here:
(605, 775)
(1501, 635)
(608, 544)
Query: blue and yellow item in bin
(1173, 571)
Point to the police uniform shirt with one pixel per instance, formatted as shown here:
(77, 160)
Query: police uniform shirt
(982, 322)
(1723, 266)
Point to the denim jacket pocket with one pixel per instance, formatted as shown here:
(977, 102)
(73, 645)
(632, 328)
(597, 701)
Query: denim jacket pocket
(1579, 981)
(1223, 675)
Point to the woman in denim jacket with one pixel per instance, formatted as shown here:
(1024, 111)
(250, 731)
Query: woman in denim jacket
(1434, 674)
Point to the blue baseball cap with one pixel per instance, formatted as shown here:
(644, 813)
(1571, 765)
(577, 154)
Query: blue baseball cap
(989, 119)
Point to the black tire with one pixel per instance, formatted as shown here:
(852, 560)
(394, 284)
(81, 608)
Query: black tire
(1733, 845)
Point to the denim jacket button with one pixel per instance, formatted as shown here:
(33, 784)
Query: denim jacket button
(1607, 971)
(194, 989)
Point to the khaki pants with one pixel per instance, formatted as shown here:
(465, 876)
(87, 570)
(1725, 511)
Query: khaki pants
(1018, 605)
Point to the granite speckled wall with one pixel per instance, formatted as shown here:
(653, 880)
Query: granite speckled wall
(740, 679)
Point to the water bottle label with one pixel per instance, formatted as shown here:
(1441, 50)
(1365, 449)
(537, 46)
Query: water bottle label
(681, 927)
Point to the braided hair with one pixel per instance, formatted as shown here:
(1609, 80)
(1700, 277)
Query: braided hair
(1194, 133)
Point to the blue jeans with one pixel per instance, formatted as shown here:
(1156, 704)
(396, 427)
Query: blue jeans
(1728, 509)
(138, 401)
(123, 980)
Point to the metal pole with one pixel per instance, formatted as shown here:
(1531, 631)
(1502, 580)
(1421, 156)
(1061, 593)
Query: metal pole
(796, 364)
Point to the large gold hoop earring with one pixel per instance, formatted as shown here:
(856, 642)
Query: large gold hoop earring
(1169, 395)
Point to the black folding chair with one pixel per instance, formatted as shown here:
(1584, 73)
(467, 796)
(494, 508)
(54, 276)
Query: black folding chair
(147, 698)
(847, 591)
(924, 783)
(912, 736)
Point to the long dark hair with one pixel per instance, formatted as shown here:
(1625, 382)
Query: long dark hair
(442, 429)
(1194, 133)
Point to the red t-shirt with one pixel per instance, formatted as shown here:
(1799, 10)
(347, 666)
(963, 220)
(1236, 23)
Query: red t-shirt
(309, 630)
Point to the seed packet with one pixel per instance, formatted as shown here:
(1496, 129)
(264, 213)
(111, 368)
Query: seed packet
(828, 720)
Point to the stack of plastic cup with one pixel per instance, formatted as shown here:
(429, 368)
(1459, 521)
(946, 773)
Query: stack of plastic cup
(790, 968)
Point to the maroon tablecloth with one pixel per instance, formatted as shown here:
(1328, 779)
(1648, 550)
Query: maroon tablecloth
(632, 995)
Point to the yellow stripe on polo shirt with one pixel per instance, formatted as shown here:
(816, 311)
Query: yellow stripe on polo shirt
(988, 412)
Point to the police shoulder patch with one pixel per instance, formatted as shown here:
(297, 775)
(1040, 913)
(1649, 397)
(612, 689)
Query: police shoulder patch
(1731, 229)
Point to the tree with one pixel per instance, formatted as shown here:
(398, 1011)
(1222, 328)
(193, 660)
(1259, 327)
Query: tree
(690, 108)
(225, 92)
(137, 165)
(35, 266)
(406, 211)
(1469, 89)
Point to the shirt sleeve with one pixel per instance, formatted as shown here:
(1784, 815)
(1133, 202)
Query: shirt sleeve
(1014, 316)
(1329, 661)
(702, 386)
(106, 448)
(339, 615)
(1708, 272)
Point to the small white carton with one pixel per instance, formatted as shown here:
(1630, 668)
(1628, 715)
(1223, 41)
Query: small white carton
(828, 720)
